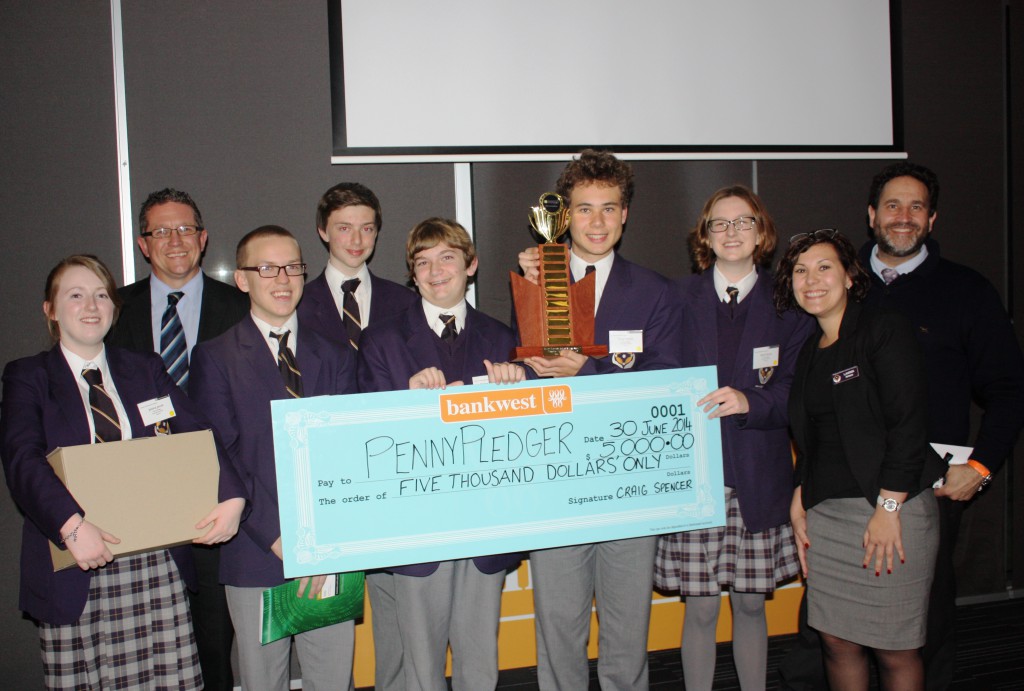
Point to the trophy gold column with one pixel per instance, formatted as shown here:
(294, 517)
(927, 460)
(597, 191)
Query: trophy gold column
(557, 314)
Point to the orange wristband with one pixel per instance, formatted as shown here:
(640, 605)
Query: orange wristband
(982, 470)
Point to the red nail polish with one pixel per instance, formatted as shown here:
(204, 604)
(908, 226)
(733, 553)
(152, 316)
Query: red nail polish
(902, 562)
(889, 571)
(877, 574)
(807, 545)
(863, 566)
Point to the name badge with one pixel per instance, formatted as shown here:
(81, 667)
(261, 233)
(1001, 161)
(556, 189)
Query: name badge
(846, 375)
(766, 356)
(156, 410)
(626, 341)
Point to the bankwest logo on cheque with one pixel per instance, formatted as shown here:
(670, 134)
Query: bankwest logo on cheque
(491, 405)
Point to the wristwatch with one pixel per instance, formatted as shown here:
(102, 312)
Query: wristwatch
(890, 504)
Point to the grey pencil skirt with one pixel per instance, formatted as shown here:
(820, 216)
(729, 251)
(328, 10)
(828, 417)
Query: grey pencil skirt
(889, 611)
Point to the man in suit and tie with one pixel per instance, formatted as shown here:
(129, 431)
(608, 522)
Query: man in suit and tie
(339, 303)
(269, 355)
(168, 312)
(635, 319)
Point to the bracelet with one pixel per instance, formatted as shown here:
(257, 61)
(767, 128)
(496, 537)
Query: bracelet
(986, 474)
(73, 535)
(982, 470)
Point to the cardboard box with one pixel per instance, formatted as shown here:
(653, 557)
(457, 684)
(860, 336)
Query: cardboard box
(150, 492)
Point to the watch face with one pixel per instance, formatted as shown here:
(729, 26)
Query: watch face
(890, 505)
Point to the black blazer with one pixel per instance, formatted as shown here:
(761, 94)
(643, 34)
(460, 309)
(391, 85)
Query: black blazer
(223, 307)
(881, 404)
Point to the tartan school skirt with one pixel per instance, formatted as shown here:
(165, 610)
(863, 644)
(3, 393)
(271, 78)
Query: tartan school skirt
(706, 562)
(135, 631)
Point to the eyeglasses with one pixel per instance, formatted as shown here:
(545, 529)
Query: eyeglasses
(161, 233)
(272, 271)
(823, 233)
(720, 225)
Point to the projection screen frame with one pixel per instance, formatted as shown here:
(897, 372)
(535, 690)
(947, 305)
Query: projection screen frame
(344, 154)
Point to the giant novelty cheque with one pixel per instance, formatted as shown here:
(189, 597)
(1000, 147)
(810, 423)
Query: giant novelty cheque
(403, 477)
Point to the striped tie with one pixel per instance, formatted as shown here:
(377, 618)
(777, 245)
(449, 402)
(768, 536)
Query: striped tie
(732, 292)
(173, 348)
(286, 365)
(449, 332)
(350, 309)
(104, 414)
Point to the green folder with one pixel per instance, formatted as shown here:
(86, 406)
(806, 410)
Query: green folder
(284, 614)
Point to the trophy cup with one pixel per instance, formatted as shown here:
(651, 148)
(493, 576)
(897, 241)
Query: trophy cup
(557, 314)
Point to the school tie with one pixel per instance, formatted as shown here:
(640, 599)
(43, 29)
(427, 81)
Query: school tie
(104, 414)
(350, 309)
(732, 292)
(173, 348)
(449, 332)
(286, 365)
(889, 275)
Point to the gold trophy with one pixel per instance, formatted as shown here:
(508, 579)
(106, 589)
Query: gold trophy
(557, 314)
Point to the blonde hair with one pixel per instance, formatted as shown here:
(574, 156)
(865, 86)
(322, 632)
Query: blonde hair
(86, 261)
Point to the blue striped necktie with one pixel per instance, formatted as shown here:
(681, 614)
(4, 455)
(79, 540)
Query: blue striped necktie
(173, 348)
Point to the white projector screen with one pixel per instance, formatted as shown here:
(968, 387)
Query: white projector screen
(499, 77)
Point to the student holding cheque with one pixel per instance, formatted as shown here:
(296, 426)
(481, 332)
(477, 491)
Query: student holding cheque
(269, 355)
(438, 342)
(729, 321)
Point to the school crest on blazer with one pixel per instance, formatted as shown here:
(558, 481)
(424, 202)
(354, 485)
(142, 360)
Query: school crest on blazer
(624, 360)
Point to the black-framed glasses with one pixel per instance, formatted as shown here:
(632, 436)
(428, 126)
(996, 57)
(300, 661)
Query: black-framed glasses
(720, 225)
(825, 233)
(161, 233)
(273, 271)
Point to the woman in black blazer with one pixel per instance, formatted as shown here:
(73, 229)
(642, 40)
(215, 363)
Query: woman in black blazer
(864, 519)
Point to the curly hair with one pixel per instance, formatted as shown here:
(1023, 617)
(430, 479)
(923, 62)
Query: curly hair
(905, 169)
(800, 243)
(703, 256)
(600, 167)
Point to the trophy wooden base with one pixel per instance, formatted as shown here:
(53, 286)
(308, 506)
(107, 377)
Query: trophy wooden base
(556, 313)
(520, 353)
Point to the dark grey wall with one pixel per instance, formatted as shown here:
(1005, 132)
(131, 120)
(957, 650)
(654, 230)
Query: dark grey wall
(230, 101)
(58, 195)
